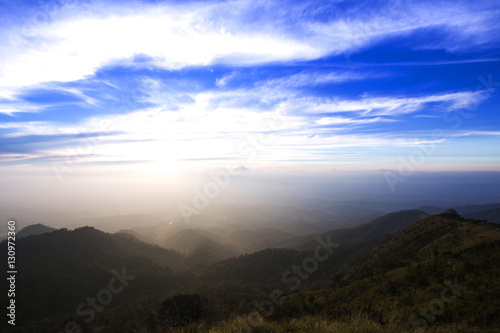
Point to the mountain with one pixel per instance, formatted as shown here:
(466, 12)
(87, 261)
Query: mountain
(476, 208)
(208, 252)
(59, 270)
(431, 210)
(267, 266)
(254, 240)
(492, 215)
(34, 229)
(438, 269)
(401, 275)
(272, 266)
(114, 223)
(462, 210)
(137, 235)
(264, 266)
(186, 240)
(384, 225)
(201, 247)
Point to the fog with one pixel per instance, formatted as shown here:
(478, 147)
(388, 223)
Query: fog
(120, 201)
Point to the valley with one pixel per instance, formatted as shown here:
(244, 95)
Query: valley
(406, 269)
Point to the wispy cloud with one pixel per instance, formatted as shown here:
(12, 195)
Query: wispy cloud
(223, 81)
(391, 106)
(311, 79)
(174, 37)
(348, 121)
(171, 37)
(211, 127)
(190, 82)
(464, 25)
(13, 106)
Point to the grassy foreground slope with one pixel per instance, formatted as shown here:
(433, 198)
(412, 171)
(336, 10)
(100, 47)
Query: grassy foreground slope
(441, 269)
(437, 275)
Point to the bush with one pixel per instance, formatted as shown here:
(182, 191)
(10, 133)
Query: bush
(180, 310)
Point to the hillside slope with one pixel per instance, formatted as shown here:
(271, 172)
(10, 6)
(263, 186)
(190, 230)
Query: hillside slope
(59, 270)
(441, 267)
(491, 215)
(385, 225)
(200, 246)
(34, 229)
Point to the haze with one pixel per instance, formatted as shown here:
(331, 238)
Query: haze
(113, 109)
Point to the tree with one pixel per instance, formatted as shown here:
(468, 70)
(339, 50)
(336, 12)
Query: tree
(180, 310)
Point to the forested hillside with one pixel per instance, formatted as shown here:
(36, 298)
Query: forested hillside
(435, 271)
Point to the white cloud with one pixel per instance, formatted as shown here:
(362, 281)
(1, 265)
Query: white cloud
(78, 41)
(464, 133)
(308, 79)
(464, 26)
(351, 121)
(389, 106)
(76, 48)
(13, 106)
(28, 127)
(222, 81)
(211, 126)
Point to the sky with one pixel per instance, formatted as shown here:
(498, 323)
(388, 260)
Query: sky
(143, 90)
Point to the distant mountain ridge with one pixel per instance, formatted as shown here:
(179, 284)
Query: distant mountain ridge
(490, 212)
(385, 225)
(60, 269)
(199, 245)
(256, 240)
(387, 268)
(404, 276)
(492, 215)
(34, 229)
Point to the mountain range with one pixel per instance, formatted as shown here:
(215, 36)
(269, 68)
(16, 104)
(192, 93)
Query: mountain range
(389, 269)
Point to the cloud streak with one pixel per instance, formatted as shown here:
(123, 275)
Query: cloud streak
(186, 84)
(174, 37)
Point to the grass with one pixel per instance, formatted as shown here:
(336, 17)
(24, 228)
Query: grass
(316, 324)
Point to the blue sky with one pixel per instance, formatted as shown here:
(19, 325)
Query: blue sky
(277, 86)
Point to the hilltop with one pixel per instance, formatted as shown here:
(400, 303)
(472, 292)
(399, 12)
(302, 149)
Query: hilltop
(34, 229)
(378, 277)
(60, 269)
(411, 270)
